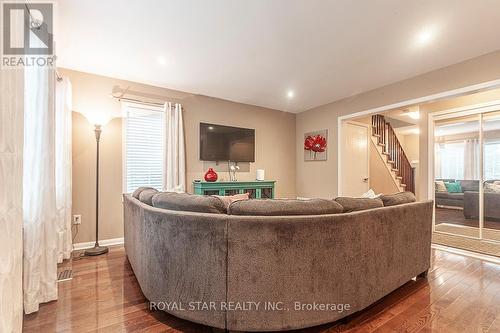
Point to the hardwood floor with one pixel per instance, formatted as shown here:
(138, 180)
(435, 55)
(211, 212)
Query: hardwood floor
(460, 294)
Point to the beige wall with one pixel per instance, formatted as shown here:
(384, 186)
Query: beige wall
(274, 151)
(381, 180)
(320, 178)
(410, 146)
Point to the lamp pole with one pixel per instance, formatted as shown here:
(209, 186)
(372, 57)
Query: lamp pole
(97, 249)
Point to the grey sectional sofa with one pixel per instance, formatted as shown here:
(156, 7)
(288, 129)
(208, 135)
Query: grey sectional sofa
(491, 205)
(330, 265)
(456, 199)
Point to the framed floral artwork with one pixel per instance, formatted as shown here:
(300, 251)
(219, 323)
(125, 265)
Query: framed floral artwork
(315, 145)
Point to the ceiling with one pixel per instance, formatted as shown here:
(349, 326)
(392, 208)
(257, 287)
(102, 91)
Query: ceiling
(258, 51)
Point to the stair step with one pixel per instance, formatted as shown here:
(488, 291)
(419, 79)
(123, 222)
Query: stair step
(395, 170)
(385, 153)
(399, 177)
(381, 144)
(376, 135)
(392, 162)
(402, 185)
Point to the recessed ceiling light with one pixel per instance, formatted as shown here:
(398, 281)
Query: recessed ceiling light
(290, 94)
(210, 128)
(162, 61)
(425, 36)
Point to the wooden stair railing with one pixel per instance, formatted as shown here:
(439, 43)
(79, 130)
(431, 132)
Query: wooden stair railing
(387, 139)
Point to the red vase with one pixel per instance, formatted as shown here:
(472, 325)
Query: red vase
(211, 175)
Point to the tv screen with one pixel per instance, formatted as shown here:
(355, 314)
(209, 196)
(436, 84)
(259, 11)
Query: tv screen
(226, 143)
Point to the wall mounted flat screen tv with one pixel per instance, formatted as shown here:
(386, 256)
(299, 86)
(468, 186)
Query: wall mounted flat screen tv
(226, 143)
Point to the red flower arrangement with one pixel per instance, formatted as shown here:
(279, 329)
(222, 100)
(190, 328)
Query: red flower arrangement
(315, 143)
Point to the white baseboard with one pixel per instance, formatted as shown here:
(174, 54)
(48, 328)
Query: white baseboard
(104, 242)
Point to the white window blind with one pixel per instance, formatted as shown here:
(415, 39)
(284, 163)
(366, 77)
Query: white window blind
(144, 147)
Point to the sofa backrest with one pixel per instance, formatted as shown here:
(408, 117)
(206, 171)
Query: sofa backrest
(284, 207)
(264, 207)
(469, 185)
(189, 202)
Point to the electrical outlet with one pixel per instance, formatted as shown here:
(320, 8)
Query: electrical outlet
(77, 219)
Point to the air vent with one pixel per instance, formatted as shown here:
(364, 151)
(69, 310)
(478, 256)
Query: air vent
(65, 275)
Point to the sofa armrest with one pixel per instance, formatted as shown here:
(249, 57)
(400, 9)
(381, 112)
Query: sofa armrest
(471, 204)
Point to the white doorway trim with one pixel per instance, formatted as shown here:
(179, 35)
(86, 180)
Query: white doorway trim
(368, 147)
(434, 97)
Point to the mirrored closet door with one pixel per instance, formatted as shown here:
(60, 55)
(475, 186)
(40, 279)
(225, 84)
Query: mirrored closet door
(457, 175)
(491, 175)
(467, 179)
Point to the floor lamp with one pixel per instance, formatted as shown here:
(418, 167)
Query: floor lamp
(97, 249)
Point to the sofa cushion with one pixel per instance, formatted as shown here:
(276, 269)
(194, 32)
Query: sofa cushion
(356, 204)
(189, 202)
(282, 207)
(147, 194)
(398, 198)
(138, 191)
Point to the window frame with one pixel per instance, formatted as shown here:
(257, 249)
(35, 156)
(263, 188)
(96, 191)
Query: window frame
(124, 107)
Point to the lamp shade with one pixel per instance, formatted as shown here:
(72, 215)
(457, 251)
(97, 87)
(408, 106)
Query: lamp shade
(98, 118)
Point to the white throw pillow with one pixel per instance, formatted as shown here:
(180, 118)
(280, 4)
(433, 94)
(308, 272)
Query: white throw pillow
(440, 186)
(370, 194)
(491, 187)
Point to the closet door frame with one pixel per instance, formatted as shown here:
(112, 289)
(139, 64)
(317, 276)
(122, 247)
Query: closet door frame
(471, 110)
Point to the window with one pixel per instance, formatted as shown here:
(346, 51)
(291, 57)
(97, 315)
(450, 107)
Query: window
(143, 146)
(492, 160)
(451, 160)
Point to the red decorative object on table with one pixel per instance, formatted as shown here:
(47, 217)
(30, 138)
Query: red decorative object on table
(211, 175)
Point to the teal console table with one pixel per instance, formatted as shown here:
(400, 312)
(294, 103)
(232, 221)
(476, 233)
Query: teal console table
(257, 189)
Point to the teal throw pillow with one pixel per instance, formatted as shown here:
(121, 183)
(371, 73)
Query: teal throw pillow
(453, 187)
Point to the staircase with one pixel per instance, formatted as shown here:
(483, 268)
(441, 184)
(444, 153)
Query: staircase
(393, 154)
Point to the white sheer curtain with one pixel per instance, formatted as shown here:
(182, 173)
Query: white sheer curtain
(11, 199)
(174, 165)
(449, 159)
(471, 159)
(63, 162)
(39, 185)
